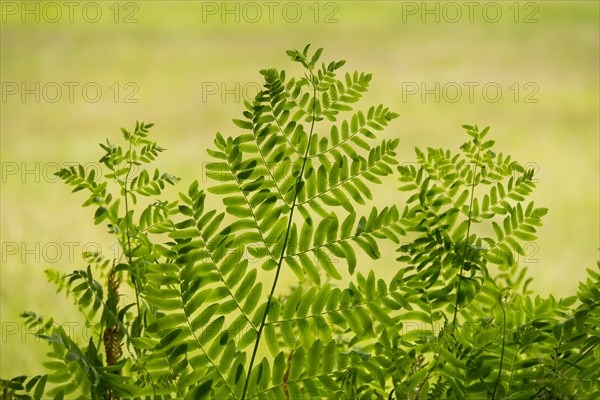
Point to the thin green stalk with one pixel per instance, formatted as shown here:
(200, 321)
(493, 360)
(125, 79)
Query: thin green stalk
(284, 246)
(512, 370)
(502, 353)
(129, 259)
(462, 265)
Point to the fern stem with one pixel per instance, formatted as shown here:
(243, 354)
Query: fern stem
(512, 371)
(469, 220)
(129, 259)
(285, 242)
(502, 353)
(462, 265)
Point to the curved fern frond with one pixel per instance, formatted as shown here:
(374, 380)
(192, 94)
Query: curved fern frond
(264, 176)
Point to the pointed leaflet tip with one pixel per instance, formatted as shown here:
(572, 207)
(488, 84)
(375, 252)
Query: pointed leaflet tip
(391, 115)
(243, 124)
(305, 51)
(316, 57)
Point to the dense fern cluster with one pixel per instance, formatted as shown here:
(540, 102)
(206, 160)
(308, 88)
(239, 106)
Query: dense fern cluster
(194, 307)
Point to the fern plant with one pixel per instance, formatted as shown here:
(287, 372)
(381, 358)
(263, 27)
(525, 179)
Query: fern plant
(194, 307)
(479, 334)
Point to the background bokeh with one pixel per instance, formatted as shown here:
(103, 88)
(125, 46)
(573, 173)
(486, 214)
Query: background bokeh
(72, 74)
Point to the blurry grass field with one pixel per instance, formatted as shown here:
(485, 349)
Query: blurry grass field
(176, 55)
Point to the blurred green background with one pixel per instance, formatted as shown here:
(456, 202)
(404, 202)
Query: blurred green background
(188, 65)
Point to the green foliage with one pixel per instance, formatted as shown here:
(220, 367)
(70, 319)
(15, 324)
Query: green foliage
(208, 318)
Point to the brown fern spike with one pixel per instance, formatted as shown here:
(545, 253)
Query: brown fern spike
(112, 345)
(287, 374)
